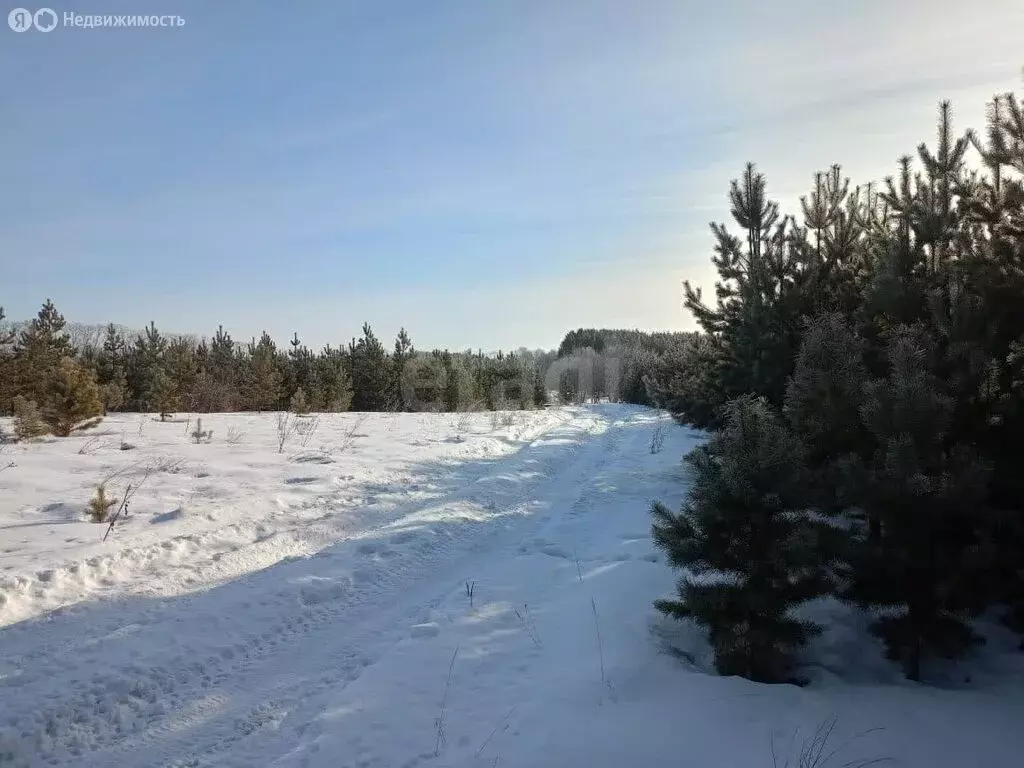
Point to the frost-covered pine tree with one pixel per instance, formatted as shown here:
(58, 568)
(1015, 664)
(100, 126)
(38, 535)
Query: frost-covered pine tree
(750, 552)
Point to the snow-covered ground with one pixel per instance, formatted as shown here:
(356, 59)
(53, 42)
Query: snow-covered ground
(311, 608)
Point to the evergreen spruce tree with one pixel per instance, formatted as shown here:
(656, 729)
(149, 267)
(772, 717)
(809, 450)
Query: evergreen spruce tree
(300, 373)
(146, 364)
(751, 553)
(224, 369)
(926, 567)
(74, 397)
(110, 370)
(160, 393)
(299, 404)
(823, 402)
(756, 324)
(331, 372)
(540, 391)
(182, 368)
(38, 353)
(459, 386)
(402, 356)
(687, 382)
(265, 382)
(114, 393)
(372, 377)
(7, 366)
(569, 386)
(28, 421)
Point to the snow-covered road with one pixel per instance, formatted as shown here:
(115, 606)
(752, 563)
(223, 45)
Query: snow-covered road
(317, 614)
(231, 675)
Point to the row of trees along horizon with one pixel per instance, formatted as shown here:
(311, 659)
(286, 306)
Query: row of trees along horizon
(862, 372)
(60, 378)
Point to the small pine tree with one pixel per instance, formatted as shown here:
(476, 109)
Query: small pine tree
(569, 386)
(751, 554)
(265, 378)
(823, 401)
(926, 568)
(540, 392)
(372, 374)
(403, 355)
(99, 505)
(114, 393)
(73, 398)
(161, 395)
(687, 381)
(299, 404)
(335, 384)
(28, 422)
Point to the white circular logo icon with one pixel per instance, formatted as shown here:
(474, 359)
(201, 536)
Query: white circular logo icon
(20, 20)
(45, 19)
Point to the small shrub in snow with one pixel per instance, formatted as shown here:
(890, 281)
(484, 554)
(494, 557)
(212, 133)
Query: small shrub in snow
(168, 464)
(286, 426)
(605, 682)
(199, 434)
(235, 436)
(529, 625)
(351, 434)
(818, 751)
(99, 505)
(28, 422)
(3, 463)
(657, 439)
(307, 429)
(440, 722)
(90, 446)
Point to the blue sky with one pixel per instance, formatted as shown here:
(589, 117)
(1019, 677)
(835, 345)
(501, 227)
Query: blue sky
(487, 173)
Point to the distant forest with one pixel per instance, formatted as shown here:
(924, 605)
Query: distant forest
(53, 366)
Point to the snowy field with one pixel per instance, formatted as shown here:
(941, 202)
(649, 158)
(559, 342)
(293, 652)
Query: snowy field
(414, 589)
